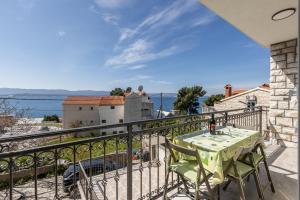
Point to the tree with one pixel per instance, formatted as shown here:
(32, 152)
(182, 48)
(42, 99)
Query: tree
(128, 90)
(210, 101)
(53, 118)
(117, 92)
(14, 121)
(187, 99)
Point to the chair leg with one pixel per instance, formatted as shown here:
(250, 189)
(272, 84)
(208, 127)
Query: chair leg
(269, 176)
(248, 178)
(197, 191)
(166, 185)
(242, 193)
(226, 185)
(184, 183)
(258, 185)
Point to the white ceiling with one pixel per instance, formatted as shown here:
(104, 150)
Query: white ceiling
(253, 17)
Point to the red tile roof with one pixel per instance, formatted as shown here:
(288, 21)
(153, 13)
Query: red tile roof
(94, 100)
(234, 92)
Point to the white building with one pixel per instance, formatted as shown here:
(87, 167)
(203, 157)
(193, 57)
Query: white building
(105, 110)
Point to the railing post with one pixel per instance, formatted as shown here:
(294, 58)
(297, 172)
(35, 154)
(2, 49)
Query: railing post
(260, 119)
(129, 162)
(226, 118)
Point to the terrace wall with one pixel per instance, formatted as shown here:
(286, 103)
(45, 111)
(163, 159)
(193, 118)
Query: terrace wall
(283, 83)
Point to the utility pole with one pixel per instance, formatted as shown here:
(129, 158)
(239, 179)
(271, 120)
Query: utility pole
(161, 105)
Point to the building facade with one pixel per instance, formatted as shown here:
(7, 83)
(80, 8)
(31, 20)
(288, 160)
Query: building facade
(79, 111)
(241, 98)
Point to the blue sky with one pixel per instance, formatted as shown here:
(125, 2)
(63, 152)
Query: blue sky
(102, 44)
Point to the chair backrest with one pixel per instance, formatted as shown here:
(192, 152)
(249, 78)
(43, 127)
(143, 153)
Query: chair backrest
(245, 151)
(189, 152)
(182, 150)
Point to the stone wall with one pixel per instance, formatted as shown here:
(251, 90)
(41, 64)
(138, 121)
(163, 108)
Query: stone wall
(283, 84)
(236, 102)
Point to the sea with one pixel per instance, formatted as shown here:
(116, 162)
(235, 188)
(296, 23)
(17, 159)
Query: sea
(41, 105)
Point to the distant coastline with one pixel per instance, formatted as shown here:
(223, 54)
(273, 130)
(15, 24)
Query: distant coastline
(41, 103)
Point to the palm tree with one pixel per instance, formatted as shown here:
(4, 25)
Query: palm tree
(187, 99)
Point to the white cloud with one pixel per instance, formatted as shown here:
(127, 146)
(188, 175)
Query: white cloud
(135, 67)
(133, 79)
(110, 18)
(61, 33)
(204, 20)
(110, 3)
(161, 18)
(157, 35)
(139, 51)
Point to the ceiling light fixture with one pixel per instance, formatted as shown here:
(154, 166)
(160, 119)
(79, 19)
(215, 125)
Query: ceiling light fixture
(283, 14)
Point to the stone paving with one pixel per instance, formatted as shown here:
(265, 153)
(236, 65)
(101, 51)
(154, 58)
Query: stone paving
(140, 182)
(282, 164)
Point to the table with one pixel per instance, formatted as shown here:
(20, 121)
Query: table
(214, 150)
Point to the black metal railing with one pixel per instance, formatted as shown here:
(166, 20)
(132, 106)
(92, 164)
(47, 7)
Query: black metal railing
(130, 164)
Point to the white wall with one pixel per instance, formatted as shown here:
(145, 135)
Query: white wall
(112, 116)
(72, 115)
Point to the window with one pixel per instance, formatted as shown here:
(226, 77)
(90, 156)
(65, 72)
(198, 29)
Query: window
(120, 120)
(92, 121)
(92, 108)
(121, 131)
(80, 122)
(80, 108)
(112, 107)
(115, 132)
(103, 133)
(103, 121)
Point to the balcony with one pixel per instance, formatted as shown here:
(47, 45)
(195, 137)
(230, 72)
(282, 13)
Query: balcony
(127, 165)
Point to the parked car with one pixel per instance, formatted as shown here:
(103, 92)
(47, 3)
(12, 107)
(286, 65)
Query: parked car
(97, 168)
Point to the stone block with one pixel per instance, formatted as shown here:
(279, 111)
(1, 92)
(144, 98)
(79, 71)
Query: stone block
(286, 137)
(276, 113)
(290, 57)
(272, 120)
(277, 85)
(278, 46)
(295, 138)
(283, 105)
(276, 128)
(288, 130)
(290, 85)
(273, 65)
(294, 103)
(291, 43)
(273, 104)
(276, 72)
(284, 121)
(292, 65)
(281, 65)
(290, 71)
(273, 79)
(277, 98)
(280, 78)
(291, 113)
(282, 92)
(289, 50)
(282, 57)
(276, 52)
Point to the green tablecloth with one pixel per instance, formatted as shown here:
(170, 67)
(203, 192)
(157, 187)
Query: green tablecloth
(215, 149)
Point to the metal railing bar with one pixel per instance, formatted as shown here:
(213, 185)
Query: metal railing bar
(61, 145)
(90, 128)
